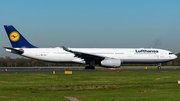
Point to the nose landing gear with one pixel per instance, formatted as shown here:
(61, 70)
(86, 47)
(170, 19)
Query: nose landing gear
(159, 66)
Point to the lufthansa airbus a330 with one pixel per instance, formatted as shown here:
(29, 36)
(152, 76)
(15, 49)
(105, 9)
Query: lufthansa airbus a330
(106, 57)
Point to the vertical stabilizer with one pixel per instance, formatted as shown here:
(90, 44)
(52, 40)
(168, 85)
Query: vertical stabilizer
(16, 39)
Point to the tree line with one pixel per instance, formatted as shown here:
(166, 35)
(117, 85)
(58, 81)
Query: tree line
(25, 62)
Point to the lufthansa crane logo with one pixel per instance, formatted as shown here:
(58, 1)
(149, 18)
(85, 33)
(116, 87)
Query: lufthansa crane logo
(14, 36)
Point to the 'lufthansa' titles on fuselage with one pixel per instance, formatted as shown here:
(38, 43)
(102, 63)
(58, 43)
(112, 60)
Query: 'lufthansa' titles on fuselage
(146, 51)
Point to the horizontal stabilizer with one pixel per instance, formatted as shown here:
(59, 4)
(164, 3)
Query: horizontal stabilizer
(17, 51)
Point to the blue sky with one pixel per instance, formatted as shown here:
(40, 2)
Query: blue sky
(93, 23)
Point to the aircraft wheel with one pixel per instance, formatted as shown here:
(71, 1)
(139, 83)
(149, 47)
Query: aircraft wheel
(87, 67)
(92, 67)
(159, 67)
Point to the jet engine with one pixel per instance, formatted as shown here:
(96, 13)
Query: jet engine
(111, 63)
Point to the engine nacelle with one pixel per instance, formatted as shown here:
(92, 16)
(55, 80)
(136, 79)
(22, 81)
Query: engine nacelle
(111, 63)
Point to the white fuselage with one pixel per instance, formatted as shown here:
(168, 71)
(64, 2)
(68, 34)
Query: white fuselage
(126, 55)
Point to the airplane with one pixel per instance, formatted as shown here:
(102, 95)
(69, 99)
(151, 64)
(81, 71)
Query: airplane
(105, 57)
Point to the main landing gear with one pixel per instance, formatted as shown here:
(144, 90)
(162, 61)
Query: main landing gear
(89, 67)
(91, 63)
(159, 66)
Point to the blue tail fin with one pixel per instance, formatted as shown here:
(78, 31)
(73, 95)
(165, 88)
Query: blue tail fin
(16, 39)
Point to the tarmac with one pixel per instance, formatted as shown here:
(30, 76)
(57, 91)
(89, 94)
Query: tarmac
(11, 70)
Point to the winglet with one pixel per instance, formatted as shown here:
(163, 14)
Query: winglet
(66, 49)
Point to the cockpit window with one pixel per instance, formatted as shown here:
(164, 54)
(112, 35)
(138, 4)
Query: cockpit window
(170, 53)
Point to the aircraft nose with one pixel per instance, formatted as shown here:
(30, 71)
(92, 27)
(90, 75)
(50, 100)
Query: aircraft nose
(175, 56)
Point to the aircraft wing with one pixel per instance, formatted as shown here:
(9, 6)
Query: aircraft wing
(85, 56)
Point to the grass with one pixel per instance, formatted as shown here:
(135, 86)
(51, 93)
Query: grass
(126, 86)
